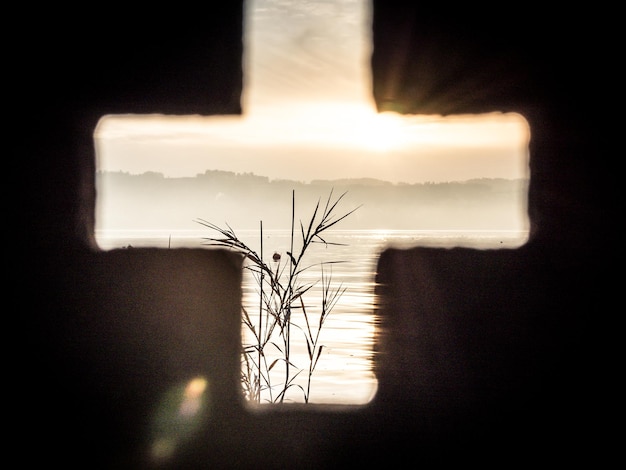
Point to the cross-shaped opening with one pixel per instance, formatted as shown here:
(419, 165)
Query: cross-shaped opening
(310, 133)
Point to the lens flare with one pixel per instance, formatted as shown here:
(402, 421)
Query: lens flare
(179, 416)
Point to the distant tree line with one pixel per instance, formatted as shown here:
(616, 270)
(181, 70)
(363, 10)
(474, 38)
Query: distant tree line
(243, 199)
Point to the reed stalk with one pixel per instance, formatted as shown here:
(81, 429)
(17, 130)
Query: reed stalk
(280, 294)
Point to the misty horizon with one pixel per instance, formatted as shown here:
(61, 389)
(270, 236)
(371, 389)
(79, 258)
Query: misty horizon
(154, 201)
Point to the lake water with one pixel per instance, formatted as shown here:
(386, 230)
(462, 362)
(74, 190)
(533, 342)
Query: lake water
(343, 374)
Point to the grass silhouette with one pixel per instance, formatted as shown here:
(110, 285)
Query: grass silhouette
(281, 293)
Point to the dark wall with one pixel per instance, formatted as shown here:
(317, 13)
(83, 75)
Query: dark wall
(499, 348)
(481, 355)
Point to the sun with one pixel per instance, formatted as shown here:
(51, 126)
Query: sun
(381, 132)
(362, 127)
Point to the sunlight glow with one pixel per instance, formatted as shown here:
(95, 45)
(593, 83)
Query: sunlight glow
(352, 127)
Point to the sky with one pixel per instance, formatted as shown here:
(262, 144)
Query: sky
(308, 113)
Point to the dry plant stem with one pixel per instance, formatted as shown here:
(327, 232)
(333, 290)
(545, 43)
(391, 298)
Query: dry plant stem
(329, 299)
(257, 399)
(276, 304)
(287, 338)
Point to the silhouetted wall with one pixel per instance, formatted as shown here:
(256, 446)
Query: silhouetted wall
(483, 357)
